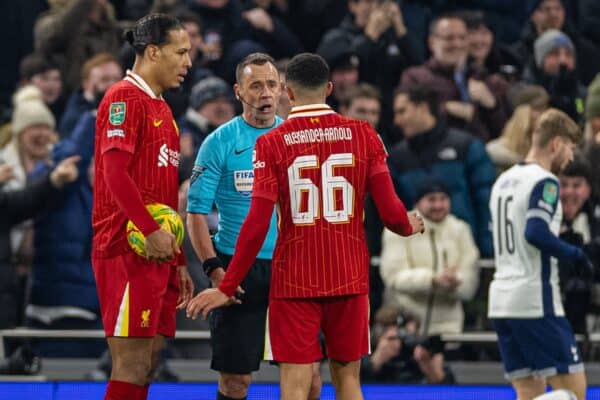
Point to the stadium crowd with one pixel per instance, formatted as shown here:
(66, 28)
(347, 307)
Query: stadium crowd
(453, 87)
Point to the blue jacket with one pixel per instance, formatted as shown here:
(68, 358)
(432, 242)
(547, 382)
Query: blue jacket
(461, 162)
(76, 106)
(62, 269)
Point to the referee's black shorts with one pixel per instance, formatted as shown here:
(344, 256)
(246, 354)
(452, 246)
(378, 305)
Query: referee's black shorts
(238, 331)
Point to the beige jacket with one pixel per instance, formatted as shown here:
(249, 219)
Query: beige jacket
(408, 265)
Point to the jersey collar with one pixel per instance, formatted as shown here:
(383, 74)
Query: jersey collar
(311, 110)
(138, 81)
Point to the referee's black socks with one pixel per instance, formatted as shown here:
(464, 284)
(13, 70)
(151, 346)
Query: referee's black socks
(221, 396)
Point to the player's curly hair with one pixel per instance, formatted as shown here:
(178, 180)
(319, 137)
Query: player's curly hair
(151, 29)
(308, 70)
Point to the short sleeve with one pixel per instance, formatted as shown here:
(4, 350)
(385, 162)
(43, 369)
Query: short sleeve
(206, 175)
(377, 153)
(265, 172)
(120, 121)
(543, 200)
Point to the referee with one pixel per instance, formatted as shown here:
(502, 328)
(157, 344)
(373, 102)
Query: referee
(223, 176)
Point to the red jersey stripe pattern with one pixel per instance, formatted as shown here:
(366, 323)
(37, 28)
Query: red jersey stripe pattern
(317, 166)
(130, 119)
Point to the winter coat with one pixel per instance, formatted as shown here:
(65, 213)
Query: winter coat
(18, 206)
(408, 265)
(461, 162)
(486, 123)
(62, 272)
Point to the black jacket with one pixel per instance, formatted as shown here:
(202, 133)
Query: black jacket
(586, 51)
(16, 207)
(576, 288)
(381, 62)
(458, 159)
(566, 91)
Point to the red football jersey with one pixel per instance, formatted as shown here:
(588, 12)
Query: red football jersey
(317, 166)
(131, 118)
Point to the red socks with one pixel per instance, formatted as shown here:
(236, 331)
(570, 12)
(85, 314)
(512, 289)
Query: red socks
(144, 392)
(118, 390)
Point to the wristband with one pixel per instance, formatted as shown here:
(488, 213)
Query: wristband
(210, 264)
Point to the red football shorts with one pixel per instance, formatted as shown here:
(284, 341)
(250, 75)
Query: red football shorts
(138, 298)
(293, 327)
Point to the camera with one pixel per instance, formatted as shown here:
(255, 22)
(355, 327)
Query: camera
(410, 338)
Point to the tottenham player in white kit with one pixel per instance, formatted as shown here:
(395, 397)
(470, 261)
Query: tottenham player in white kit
(536, 342)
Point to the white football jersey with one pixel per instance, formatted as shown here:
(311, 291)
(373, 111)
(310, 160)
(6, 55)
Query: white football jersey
(525, 283)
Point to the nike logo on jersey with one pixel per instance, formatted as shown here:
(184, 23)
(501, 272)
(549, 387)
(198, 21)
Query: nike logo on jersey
(238, 152)
(157, 122)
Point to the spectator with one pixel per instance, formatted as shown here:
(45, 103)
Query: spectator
(25, 93)
(74, 31)
(401, 355)
(505, 17)
(211, 105)
(550, 14)
(555, 69)
(514, 143)
(589, 20)
(132, 10)
(472, 100)
(97, 75)
(580, 227)
(262, 24)
(322, 14)
(178, 99)
(592, 108)
(591, 146)
(430, 149)
(376, 33)
(484, 52)
(222, 21)
(193, 26)
(344, 72)
(62, 286)
(284, 107)
(36, 70)
(581, 210)
(18, 206)
(16, 20)
(363, 101)
(33, 133)
(429, 275)
(135, 9)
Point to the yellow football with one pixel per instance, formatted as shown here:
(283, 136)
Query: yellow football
(167, 218)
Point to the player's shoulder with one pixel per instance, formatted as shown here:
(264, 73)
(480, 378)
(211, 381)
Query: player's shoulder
(523, 178)
(535, 174)
(280, 127)
(360, 128)
(319, 121)
(123, 90)
(336, 118)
